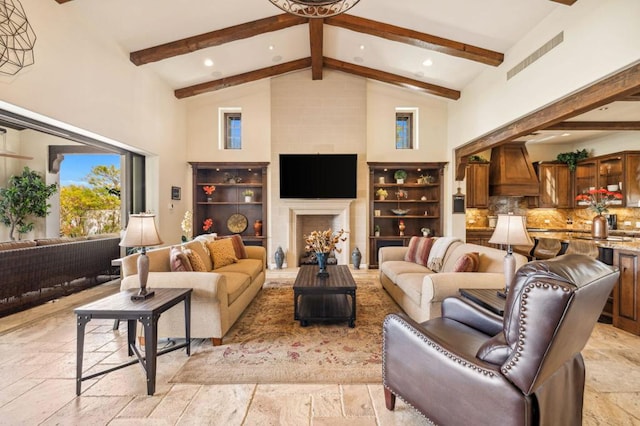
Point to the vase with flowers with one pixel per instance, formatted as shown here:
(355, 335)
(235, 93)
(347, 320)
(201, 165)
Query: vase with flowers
(322, 243)
(209, 190)
(599, 201)
(382, 193)
(186, 226)
(207, 225)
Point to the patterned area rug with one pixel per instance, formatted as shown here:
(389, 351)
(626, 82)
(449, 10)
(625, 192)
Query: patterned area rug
(267, 346)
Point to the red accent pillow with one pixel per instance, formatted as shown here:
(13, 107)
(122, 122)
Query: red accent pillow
(469, 262)
(419, 248)
(179, 262)
(238, 246)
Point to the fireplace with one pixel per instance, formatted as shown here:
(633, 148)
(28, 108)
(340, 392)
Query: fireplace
(317, 215)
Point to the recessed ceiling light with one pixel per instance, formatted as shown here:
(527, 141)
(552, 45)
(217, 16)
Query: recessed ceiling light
(427, 62)
(276, 58)
(604, 108)
(358, 59)
(565, 134)
(362, 47)
(271, 47)
(208, 62)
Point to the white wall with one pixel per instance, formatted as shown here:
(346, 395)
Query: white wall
(85, 82)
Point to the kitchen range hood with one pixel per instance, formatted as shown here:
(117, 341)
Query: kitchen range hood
(511, 173)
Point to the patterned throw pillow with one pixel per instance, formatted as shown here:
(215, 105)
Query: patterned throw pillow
(468, 262)
(194, 259)
(178, 261)
(222, 252)
(238, 246)
(419, 248)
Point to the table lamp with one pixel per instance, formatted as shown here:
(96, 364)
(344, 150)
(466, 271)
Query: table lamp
(141, 232)
(510, 230)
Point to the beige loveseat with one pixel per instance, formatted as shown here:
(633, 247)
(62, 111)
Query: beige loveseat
(219, 296)
(420, 291)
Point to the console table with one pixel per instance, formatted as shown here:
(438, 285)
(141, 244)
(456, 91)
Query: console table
(120, 307)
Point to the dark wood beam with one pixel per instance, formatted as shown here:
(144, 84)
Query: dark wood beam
(247, 77)
(416, 38)
(316, 39)
(567, 2)
(611, 126)
(386, 77)
(215, 38)
(631, 98)
(602, 92)
(63, 1)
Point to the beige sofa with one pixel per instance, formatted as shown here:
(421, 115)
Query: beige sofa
(219, 296)
(419, 291)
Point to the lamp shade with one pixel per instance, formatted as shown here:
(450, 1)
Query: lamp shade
(141, 231)
(510, 230)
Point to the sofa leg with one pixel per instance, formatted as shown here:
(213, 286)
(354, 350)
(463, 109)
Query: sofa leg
(389, 399)
(216, 341)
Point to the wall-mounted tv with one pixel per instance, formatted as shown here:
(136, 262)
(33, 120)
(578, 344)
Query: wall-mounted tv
(318, 176)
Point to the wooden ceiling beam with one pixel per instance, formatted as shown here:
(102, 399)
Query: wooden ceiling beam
(566, 2)
(247, 77)
(215, 38)
(416, 38)
(386, 77)
(316, 40)
(63, 1)
(602, 92)
(611, 126)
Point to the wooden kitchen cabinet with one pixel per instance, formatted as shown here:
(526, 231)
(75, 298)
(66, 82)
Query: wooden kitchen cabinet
(626, 306)
(620, 168)
(478, 185)
(555, 185)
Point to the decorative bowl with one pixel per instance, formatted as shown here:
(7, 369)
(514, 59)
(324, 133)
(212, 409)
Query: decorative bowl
(400, 212)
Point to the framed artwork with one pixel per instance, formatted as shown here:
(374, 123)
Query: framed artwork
(175, 192)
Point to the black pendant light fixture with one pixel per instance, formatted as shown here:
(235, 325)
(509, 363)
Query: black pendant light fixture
(315, 8)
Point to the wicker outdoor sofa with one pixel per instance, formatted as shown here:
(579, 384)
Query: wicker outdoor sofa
(36, 271)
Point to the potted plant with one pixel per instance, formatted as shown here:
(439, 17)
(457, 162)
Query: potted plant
(25, 196)
(248, 194)
(400, 176)
(572, 158)
(209, 190)
(382, 193)
(376, 230)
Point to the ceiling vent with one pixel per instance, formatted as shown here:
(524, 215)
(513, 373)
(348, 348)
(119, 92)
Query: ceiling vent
(544, 49)
(511, 173)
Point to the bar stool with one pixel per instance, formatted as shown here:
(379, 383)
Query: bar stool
(588, 248)
(547, 248)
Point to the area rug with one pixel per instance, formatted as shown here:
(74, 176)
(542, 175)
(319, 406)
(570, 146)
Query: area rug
(267, 346)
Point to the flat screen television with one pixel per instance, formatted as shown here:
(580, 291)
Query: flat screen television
(318, 176)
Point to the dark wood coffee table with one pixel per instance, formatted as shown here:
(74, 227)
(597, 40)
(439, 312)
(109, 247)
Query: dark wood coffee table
(487, 298)
(331, 298)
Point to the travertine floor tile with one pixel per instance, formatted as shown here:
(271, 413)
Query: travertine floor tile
(357, 401)
(218, 405)
(344, 421)
(88, 410)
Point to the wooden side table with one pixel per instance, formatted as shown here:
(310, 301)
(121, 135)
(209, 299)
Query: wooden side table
(120, 307)
(486, 297)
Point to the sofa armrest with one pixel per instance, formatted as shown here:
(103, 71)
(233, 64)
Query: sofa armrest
(386, 254)
(257, 252)
(206, 285)
(437, 287)
(471, 314)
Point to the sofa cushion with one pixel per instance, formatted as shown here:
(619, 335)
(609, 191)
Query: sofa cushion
(238, 246)
(394, 268)
(491, 259)
(178, 260)
(195, 260)
(252, 267)
(222, 253)
(411, 285)
(468, 262)
(418, 251)
(237, 283)
(199, 248)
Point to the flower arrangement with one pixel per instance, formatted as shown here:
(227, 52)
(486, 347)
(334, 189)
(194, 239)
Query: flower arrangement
(599, 200)
(186, 225)
(207, 224)
(381, 192)
(324, 241)
(209, 189)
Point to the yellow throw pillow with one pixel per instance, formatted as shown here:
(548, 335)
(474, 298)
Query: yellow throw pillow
(222, 252)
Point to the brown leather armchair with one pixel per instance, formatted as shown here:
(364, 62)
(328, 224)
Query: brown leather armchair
(474, 367)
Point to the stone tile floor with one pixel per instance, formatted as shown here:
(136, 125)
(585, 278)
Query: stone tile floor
(37, 374)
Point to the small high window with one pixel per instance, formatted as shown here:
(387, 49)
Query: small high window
(233, 130)
(406, 130)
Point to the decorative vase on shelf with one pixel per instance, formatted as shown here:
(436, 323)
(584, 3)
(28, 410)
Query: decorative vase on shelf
(322, 264)
(599, 228)
(209, 199)
(257, 227)
(401, 227)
